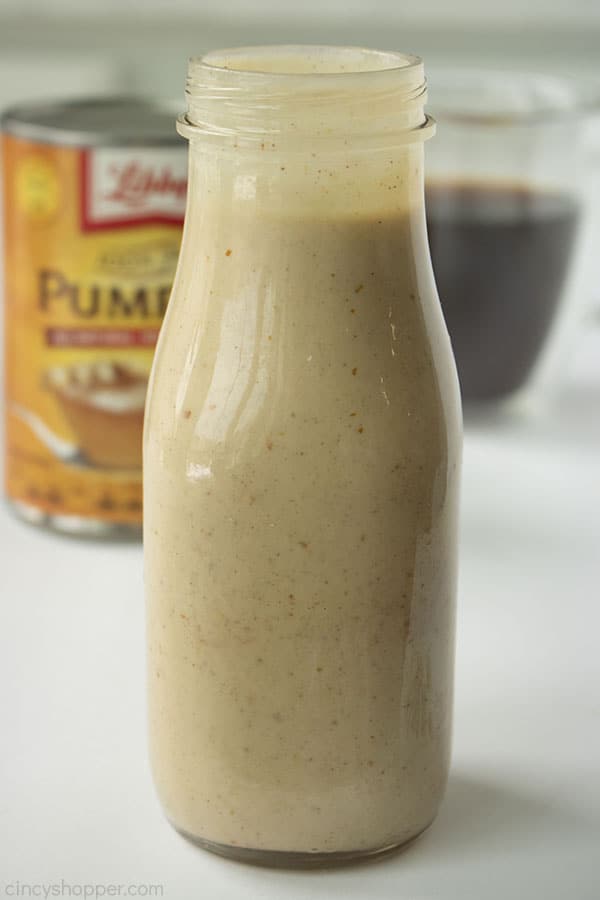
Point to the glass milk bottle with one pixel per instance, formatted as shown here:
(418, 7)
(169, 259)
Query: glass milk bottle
(302, 454)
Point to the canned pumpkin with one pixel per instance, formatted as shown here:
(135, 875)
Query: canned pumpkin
(94, 196)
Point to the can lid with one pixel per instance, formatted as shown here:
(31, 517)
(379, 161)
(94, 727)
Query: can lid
(114, 121)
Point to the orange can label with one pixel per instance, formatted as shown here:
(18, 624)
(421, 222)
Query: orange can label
(91, 242)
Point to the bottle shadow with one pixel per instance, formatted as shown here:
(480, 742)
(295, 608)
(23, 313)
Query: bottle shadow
(479, 814)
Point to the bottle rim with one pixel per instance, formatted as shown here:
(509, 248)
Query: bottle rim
(344, 61)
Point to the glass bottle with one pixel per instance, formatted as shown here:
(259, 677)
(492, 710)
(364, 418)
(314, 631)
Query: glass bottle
(302, 452)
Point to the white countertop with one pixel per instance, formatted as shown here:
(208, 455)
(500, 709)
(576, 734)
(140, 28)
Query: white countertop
(521, 817)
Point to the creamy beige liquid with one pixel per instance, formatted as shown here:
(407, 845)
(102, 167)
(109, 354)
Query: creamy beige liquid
(301, 468)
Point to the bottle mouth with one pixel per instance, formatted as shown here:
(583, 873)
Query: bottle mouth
(282, 92)
(297, 59)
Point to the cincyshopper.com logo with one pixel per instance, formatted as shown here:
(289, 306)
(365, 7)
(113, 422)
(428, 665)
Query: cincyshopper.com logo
(87, 891)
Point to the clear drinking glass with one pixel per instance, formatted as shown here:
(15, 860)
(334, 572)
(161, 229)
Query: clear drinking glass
(505, 208)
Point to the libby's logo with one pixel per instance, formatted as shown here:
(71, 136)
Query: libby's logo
(136, 184)
(125, 186)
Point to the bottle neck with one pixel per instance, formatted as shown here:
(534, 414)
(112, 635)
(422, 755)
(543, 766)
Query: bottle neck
(288, 184)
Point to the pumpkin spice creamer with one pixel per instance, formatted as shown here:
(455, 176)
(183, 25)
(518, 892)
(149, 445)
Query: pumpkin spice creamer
(94, 196)
(301, 466)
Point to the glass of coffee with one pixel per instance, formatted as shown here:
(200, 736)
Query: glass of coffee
(504, 204)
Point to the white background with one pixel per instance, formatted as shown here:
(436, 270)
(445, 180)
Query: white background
(65, 47)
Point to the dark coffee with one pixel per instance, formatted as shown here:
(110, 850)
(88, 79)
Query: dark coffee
(500, 256)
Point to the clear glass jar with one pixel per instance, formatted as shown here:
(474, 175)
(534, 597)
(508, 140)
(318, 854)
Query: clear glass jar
(302, 448)
(504, 210)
